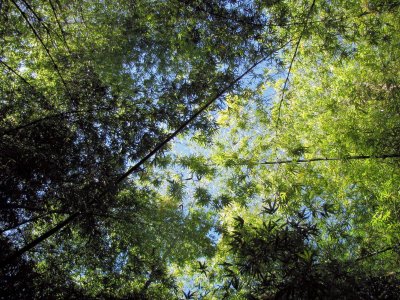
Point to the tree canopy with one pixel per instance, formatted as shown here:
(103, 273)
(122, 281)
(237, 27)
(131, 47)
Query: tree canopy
(205, 149)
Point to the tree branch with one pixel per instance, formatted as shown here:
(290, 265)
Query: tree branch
(44, 46)
(59, 25)
(39, 20)
(39, 120)
(20, 77)
(375, 253)
(37, 241)
(291, 63)
(297, 161)
(24, 222)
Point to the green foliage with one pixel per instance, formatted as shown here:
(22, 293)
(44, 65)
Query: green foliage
(316, 229)
(250, 209)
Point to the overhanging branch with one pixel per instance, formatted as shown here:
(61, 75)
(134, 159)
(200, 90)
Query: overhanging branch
(298, 161)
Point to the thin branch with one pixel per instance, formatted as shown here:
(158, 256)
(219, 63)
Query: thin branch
(297, 161)
(39, 20)
(24, 222)
(292, 61)
(375, 253)
(44, 46)
(59, 25)
(39, 120)
(36, 209)
(16, 73)
(49, 32)
(20, 77)
(34, 90)
(37, 241)
(136, 167)
(16, 206)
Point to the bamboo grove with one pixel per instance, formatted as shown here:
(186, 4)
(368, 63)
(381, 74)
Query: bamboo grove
(204, 149)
